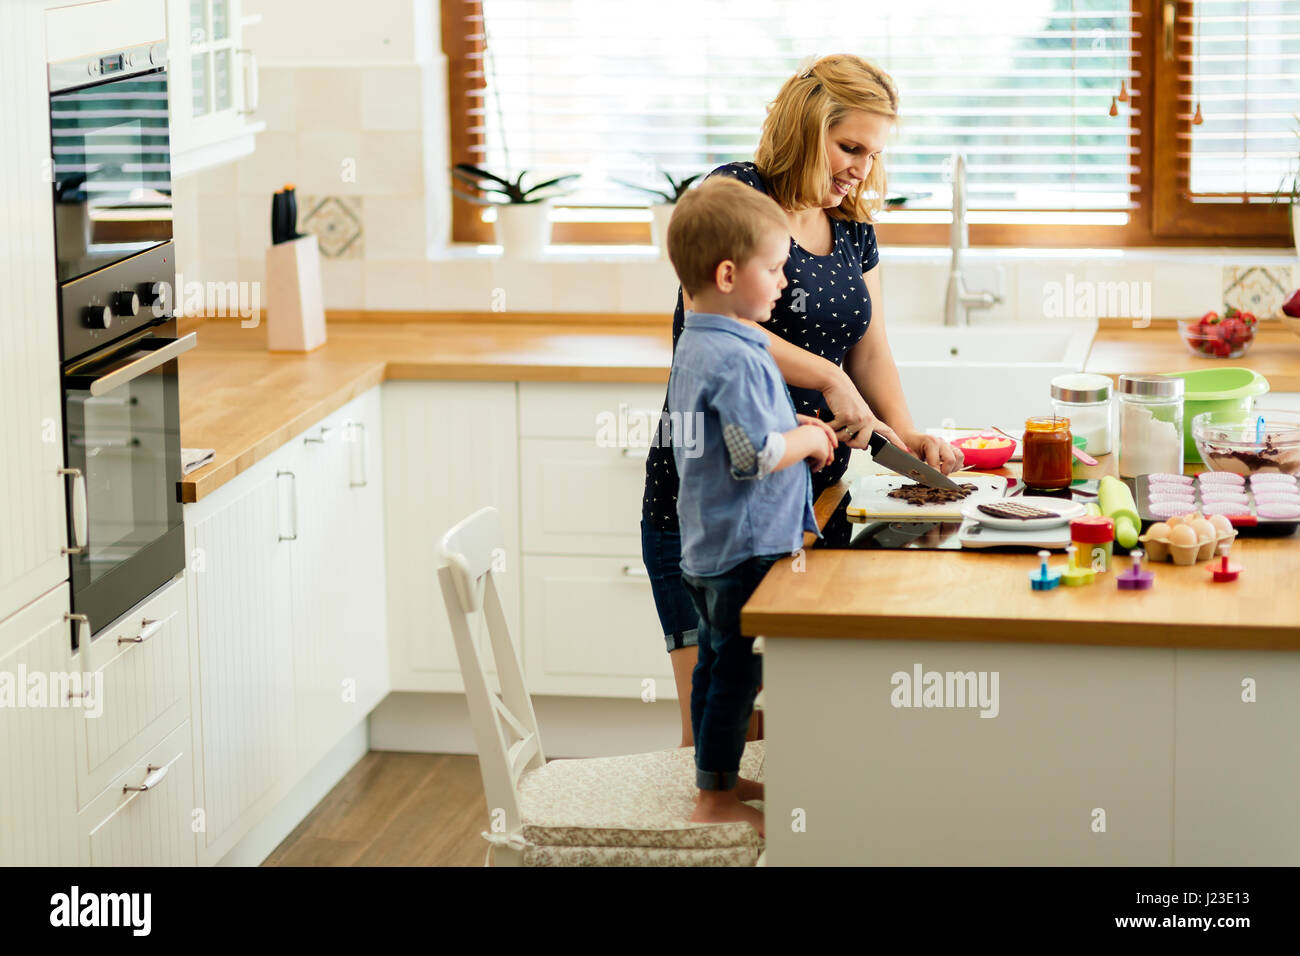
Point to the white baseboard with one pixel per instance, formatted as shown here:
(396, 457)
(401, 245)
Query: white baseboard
(569, 726)
(271, 830)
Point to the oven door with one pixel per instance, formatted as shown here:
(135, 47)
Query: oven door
(112, 171)
(123, 440)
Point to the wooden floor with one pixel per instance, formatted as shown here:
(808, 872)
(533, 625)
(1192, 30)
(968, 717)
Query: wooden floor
(395, 809)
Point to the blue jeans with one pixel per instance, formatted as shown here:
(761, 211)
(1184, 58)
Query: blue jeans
(662, 553)
(727, 671)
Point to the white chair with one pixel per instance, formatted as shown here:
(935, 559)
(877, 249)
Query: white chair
(607, 811)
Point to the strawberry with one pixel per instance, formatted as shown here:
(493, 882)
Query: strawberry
(1292, 305)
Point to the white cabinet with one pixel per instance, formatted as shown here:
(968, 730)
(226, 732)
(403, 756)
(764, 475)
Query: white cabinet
(241, 648)
(340, 620)
(580, 497)
(212, 83)
(38, 789)
(145, 817)
(591, 629)
(450, 448)
(32, 517)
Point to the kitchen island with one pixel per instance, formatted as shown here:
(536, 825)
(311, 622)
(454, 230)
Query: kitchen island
(929, 708)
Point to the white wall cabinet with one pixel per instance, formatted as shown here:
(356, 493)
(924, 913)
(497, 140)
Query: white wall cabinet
(212, 84)
(450, 448)
(32, 512)
(38, 788)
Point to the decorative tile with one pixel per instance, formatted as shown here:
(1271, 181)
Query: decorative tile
(335, 221)
(1257, 289)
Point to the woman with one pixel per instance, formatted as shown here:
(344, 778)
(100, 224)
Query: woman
(819, 158)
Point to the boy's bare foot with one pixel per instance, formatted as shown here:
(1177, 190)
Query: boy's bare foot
(747, 790)
(723, 806)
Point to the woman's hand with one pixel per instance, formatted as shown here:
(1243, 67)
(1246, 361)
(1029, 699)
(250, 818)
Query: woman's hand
(936, 452)
(854, 420)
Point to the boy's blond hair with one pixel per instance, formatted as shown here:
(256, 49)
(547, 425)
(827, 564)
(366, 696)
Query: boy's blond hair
(720, 219)
(791, 154)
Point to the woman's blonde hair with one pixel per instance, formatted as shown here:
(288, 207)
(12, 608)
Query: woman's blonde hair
(719, 219)
(791, 154)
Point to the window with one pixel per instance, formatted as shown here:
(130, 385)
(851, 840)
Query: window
(1051, 101)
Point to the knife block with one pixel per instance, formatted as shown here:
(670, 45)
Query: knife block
(295, 314)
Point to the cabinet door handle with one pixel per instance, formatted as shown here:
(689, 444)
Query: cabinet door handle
(252, 94)
(78, 509)
(326, 431)
(153, 777)
(148, 628)
(361, 427)
(293, 505)
(80, 623)
(632, 571)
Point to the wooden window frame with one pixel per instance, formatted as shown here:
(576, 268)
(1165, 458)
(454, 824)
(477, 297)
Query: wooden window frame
(1163, 217)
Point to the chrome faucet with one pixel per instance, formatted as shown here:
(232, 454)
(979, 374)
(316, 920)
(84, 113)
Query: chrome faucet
(961, 300)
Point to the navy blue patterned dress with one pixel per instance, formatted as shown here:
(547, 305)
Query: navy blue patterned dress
(824, 308)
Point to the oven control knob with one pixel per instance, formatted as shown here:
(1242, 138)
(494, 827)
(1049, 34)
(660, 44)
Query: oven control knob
(126, 303)
(148, 294)
(97, 316)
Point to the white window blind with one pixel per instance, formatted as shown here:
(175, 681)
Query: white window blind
(1240, 65)
(1024, 88)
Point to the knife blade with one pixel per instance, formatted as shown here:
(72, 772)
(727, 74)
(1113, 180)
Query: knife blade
(897, 460)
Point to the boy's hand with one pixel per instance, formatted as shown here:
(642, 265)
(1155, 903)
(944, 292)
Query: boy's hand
(810, 420)
(821, 444)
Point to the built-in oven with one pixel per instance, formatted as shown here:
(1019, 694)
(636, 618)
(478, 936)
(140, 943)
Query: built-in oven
(117, 332)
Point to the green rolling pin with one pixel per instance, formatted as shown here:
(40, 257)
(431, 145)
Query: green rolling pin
(1117, 504)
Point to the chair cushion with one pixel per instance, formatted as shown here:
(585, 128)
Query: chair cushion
(638, 800)
(640, 856)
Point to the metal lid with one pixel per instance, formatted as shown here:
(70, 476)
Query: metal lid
(1081, 388)
(1151, 386)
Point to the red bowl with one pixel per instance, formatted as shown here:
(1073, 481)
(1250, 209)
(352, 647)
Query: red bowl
(985, 457)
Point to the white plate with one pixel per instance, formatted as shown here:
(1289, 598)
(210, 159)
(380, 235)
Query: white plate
(1064, 512)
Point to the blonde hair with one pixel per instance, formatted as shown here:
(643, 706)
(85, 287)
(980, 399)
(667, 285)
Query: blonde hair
(791, 154)
(720, 219)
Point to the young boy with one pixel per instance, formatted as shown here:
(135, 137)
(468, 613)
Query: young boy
(746, 494)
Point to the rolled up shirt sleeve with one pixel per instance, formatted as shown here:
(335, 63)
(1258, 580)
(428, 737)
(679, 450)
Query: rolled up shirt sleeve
(750, 431)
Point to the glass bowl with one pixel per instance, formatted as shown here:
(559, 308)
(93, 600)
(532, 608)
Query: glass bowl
(1227, 442)
(1228, 338)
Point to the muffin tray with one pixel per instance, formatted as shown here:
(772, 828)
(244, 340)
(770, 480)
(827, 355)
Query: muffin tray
(1269, 501)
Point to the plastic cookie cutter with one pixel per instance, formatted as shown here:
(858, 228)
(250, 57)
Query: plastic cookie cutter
(1044, 578)
(1221, 570)
(1074, 576)
(1135, 578)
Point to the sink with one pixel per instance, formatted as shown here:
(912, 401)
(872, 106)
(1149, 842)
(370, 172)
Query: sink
(986, 374)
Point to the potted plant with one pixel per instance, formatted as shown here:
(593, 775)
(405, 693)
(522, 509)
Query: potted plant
(662, 210)
(523, 227)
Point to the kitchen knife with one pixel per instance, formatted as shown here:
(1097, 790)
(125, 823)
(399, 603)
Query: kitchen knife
(897, 460)
(277, 217)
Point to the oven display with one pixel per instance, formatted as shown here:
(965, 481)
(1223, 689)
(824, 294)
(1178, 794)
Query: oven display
(112, 64)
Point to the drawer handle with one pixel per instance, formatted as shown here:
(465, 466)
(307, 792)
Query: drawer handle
(357, 433)
(632, 571)
(325, 432)
(148, 628)
(80, 625)
(78, 510)
(153, 777)
(639, 454)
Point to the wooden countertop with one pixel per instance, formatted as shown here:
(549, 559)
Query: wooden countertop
(982, 596)
(244, 402)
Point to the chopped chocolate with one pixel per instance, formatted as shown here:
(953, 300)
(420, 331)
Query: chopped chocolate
(1014, 509)
(921, 495)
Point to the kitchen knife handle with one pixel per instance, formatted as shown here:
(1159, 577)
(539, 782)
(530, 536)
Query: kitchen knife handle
(277, 217)
(878, 441)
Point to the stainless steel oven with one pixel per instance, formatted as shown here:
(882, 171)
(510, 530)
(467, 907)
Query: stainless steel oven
(117, 332)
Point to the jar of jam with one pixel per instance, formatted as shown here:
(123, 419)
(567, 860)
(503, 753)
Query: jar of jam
(1048, 455)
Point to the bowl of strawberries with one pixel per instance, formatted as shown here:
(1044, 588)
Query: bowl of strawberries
(1219, 336)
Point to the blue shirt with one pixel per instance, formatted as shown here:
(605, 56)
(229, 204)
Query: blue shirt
(728, 407)
(824, 309)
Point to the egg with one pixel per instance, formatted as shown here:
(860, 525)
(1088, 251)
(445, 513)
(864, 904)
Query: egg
(1221, 523)
(1183, 535)
(1159, 531)
(1204, 528)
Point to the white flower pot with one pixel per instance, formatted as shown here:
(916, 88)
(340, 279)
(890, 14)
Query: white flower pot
(659, 216)
(524, 230)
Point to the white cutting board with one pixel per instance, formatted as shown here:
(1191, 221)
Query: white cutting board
(870, 497)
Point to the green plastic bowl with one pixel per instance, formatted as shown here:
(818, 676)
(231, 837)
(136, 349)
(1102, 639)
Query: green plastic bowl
(1231, 391)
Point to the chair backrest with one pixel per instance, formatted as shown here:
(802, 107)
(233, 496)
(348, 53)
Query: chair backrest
(505, 727)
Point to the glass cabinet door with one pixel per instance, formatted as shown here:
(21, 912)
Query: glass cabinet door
(212, 56)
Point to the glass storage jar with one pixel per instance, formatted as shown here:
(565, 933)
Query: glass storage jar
(1150, 425)
(1047, 458)
(1084, 399)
